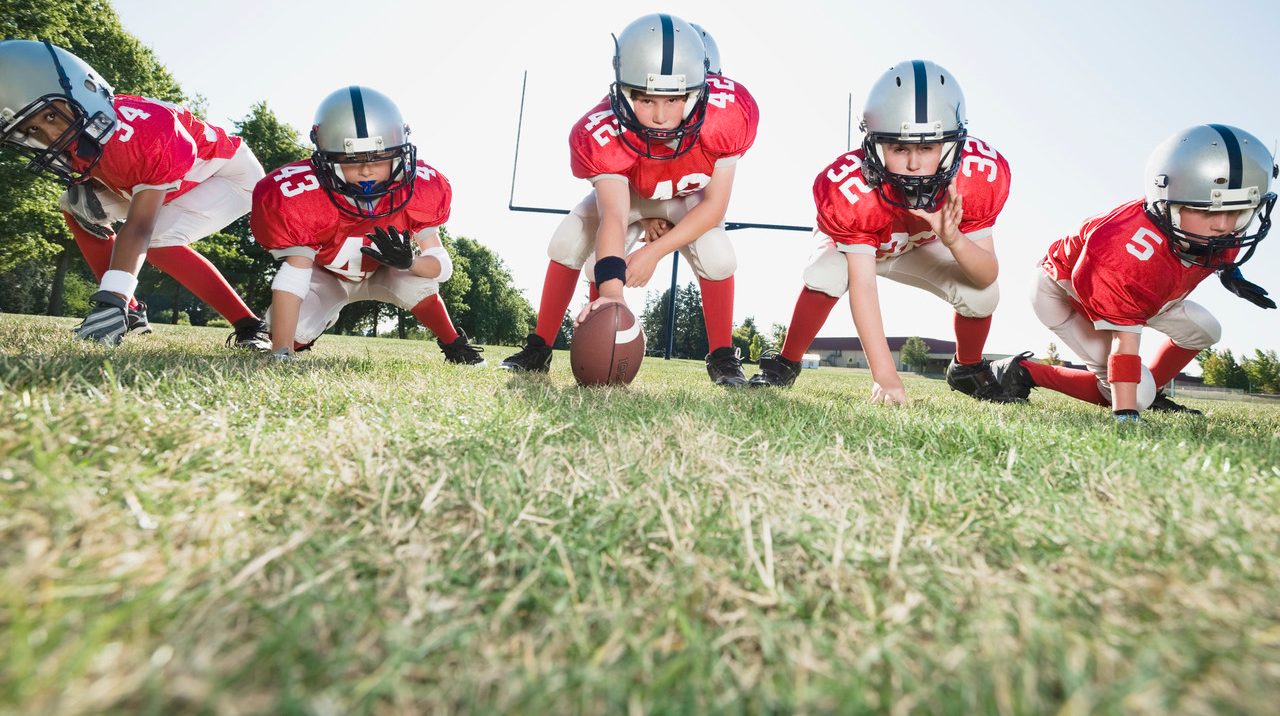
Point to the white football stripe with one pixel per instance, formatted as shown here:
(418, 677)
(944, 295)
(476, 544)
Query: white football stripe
(627, 335)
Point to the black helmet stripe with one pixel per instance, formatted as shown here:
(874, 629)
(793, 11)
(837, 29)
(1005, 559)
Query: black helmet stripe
(357, 108)
(922, 91)
(1235, 176)
(668, 44)
(62, 74)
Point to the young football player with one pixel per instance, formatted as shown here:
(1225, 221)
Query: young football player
(916, 204)
(357, 222)
(1134, 266)
(660, 153)
(169, 176)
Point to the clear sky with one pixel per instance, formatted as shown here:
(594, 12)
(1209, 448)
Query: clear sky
(1075, 95)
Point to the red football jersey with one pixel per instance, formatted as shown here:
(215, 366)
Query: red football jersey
(851, 212)
(1120, 269)
(158, 145)
(728, 131)
(291, 211)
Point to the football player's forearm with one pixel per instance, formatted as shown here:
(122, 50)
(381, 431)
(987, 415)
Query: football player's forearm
(870, 327)
(285, 308)
(864, 304)
(700, 219)
(611, 241)
(131, 247)
(135, 236)
(977, 263)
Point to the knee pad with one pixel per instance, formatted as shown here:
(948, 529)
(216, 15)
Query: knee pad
(570, 243)
(977, 302)
(1207, 329)
(828, 273)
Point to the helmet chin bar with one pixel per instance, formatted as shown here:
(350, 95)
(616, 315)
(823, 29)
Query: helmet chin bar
(1208, 251)
(361, 203)
(74, 153)
(644, 140)
(909, 191)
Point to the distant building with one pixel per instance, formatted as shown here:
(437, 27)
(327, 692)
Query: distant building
(846, 352)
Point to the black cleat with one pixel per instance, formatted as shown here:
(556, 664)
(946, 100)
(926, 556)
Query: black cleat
(137, 320)
(775, 372)
(724, 365)
(976, 380)
(250, 334)
(1162, 404)
(535, 357)
(1012, 377)
(461, 351)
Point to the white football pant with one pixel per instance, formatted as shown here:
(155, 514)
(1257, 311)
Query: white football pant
(1186, 323)
(216, 202)
(573, 244)
(929, 266)
(328, 294)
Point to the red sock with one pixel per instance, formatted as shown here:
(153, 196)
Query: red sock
(1079, 384)
(971, 337)
(811, 311)
(717, 311)
(593, 291)
(431, 313)
(1170, 360)
(96, 251)
(557, 291)
(201, 278)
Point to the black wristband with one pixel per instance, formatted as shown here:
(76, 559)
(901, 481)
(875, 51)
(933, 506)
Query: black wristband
(610, 268)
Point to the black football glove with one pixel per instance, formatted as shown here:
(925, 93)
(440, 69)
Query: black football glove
(1234, 282)
(107, 321)
(394, 249)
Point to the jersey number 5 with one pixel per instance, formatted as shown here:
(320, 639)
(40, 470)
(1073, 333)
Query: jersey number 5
(1140, 247)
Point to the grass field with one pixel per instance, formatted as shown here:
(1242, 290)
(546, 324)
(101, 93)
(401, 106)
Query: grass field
(369, 530)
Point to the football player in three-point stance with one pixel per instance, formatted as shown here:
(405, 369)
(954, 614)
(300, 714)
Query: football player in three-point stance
(1135, 265)
(356, 222)
(169, 176)
(916, 204)
(660, 153)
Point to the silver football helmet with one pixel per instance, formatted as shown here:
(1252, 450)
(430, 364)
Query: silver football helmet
(1212, 167)
(659, 55)
(357, 125)
(915, 102)
(39, 79)
(713, 50)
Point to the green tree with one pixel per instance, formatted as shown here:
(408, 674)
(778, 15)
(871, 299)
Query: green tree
(743, 334)
(915, 353)
(1263, 370)
(756, 349)
(247, 266)
(1221, 369)
(488, 307)
(690, 331)
(777, 337)
(1051, 355)
(564, 338)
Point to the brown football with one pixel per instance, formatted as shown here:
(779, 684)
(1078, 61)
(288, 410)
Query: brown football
(608, 347)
